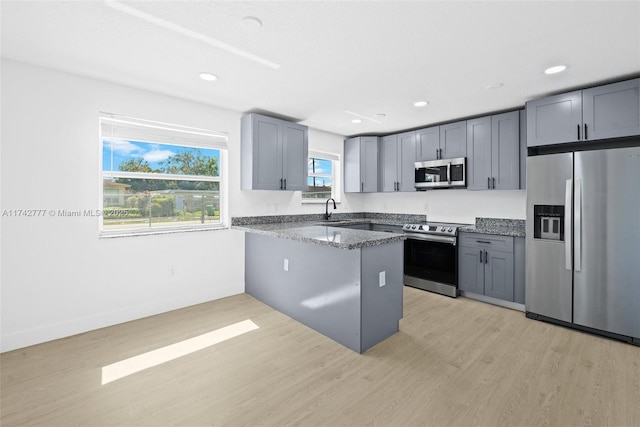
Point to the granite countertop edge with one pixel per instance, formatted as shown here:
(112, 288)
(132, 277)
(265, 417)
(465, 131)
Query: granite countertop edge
(362, 238)
(497, 226)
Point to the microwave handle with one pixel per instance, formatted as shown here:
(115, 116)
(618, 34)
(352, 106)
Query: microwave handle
(449, 172)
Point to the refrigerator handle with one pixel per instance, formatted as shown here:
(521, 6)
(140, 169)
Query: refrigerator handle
(449, 172)
(577, 232)
(567, 223)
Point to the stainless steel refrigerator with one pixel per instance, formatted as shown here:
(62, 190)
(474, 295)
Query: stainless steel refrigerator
(583, 240)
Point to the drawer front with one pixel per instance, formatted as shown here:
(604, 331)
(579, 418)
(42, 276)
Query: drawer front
(486, 241)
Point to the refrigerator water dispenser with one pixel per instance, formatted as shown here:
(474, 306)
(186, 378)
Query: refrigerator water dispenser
(549, 222)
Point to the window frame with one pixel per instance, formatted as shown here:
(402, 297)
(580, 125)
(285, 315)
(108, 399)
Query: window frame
(335, 176)
(218, 143)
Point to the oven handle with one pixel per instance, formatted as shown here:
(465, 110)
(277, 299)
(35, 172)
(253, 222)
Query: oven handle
(432, 238)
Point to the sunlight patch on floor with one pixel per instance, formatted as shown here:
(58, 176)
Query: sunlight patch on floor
(126, 367)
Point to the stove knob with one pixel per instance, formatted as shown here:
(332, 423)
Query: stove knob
(450, 229)
(420, 227)
(413, 227)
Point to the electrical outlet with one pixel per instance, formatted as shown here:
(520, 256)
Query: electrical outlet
(286, 265)
(382, 278)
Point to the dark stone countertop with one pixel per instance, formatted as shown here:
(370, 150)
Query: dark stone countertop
(497, 226)
(323, 234)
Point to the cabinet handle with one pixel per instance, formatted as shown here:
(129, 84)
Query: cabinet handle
(285, 183)
(486, 258)
(493, 181)
(362, 187)
(578, 132)
(480, 256)
(483, 241)
(437, 153)
(281, 184)
(441, 153)
(585, 132)
(488, 183)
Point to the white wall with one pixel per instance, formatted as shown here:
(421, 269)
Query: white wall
(58, 278)
(458, 206)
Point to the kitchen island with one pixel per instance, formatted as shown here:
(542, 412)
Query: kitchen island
(346, 284)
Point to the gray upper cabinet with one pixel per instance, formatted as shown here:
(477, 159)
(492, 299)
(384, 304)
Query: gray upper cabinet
(555, 119)
(479, 150)
(361, 164)
(611, 111)
(442, 142)
(397, 162)
(608, 111)
(388, 172)
(523, 149)
(493, 152)
(428, 144)
(453, 140)
(274, 154)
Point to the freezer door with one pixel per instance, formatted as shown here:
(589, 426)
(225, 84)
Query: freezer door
(607, 240)
(549, 262)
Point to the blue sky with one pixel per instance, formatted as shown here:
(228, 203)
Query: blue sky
(124, 150)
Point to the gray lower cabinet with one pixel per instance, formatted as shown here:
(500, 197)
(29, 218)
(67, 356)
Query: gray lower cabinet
(607, 111)
(397, 159)
(348, 302)
(493, 152)
(361, 164)
(487, 266)
(274, 154)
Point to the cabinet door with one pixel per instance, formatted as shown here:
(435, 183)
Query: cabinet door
(555, 119)
(406, 161)
(453, 140)
(479, 153)
(427, 143)
(505, 151)
(498, 275)
(369, 164)
(471, 269)
(295, 156)
(612, 111)
(388, 172)
(352, 181)
(267, 153)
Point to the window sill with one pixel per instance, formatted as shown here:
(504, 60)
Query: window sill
(318, 202)
(158, 231)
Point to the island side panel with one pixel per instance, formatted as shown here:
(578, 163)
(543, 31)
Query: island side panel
(321, 288)
(381, 306)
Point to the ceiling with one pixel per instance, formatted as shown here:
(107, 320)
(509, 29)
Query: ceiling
(327, 63)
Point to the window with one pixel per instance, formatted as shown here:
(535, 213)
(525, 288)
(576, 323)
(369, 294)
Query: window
(157, 177)
(322, 178)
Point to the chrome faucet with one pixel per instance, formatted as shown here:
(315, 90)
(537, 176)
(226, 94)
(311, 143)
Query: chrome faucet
(327, 215)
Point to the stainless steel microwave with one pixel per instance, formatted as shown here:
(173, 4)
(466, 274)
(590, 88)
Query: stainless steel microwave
(444, 173)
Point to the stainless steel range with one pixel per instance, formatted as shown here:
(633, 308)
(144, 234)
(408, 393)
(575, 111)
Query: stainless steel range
(431, 257)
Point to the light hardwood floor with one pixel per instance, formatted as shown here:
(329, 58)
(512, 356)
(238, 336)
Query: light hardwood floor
(455, 362)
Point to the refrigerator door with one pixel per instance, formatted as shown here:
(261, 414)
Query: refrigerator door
(607, 240)
(548, 282)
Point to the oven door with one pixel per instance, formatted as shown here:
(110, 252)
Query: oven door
(431, 264)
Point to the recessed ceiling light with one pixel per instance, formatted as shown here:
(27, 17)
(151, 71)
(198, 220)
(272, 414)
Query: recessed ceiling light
(251, 23)
(208, 77)
(381, 115)
(356, 121)
(420, 103)
(496, 85)
(555, 69)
